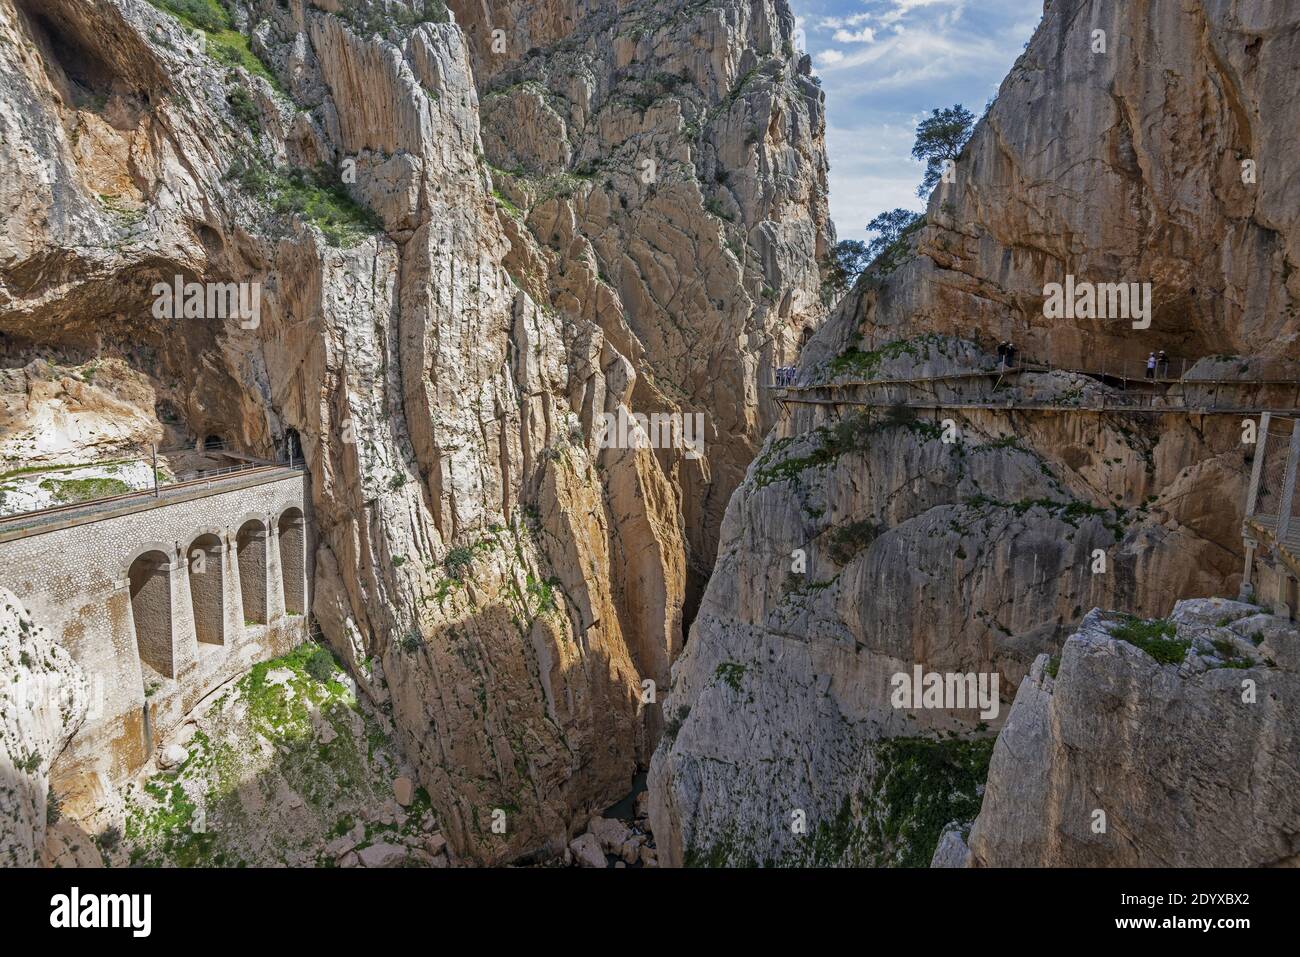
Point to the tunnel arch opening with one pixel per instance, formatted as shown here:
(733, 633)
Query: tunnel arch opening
(292, 447)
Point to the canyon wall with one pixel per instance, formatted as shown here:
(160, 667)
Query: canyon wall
(465, 258)
(868, 540)
(42, 704)
(1214, 738)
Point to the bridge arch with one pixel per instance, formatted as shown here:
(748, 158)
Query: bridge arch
(206, 569)
(167, 548)
(149, 575)
(293, 560)
(251, 549)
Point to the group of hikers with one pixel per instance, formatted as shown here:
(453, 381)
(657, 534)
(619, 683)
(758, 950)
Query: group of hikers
(1158, 362)
(785, 375)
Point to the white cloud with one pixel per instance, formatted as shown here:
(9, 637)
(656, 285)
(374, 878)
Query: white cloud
(922, 54)
(902, 8)
(870, 173)
(836, 23)
(865, 35)
(910, 56)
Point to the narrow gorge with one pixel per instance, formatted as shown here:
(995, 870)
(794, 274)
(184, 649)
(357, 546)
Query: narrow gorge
(430, 434)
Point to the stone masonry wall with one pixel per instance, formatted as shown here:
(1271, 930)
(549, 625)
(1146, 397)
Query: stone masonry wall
(75, 582)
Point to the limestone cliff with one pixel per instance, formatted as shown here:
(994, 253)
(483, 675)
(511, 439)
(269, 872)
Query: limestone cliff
(866, 541)
(43, 700)
(464, 260)
(1211, 723)
(668, 161)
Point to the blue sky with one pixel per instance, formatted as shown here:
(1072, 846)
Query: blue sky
(884, 64)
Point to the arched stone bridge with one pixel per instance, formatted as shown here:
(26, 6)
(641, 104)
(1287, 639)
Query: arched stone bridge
(161, 601)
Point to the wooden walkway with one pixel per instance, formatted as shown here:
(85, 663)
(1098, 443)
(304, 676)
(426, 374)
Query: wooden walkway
(1151, 398)
(1103, 373)
(1263, 529)
(1016, 370)
(1011, 405)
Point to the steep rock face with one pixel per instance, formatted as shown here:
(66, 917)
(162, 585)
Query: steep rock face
(675, 150)
(1216, 745)
(484, 568)
(287, 765)
(1125, 166)
(867, 541)
(864, 544)
(43, 700)
(68, 414)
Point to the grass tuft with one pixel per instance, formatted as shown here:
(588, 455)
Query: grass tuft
(1158, 638)
(318, 196)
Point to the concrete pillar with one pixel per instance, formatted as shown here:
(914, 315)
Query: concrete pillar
(274, 573)
(233, 597)
(1247, 590)
(253, 554)
(185, 644)
(153, 599)
(205, 558)
(124, 702)
(293, 561)
(1282, 606)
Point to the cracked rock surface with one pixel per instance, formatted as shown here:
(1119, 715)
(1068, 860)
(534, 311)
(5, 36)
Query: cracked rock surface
(868, 539)
(465, 258)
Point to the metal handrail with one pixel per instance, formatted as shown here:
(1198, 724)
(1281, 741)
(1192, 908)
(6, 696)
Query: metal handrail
(206, 478)
(1110, 403)
(106, 462)
(1174, 370)
(1272, 368)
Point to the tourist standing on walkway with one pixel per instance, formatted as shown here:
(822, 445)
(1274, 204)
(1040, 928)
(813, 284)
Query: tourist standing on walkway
(1151, 366)
(1162, 364)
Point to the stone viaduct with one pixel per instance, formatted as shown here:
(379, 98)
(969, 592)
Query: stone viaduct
(161, 601)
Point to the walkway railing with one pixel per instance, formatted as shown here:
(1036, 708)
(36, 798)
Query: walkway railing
(1133, 368)
(207, 479)
(1172, 370)
(1272, 513)
(1140, 404)
(1126, 372)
